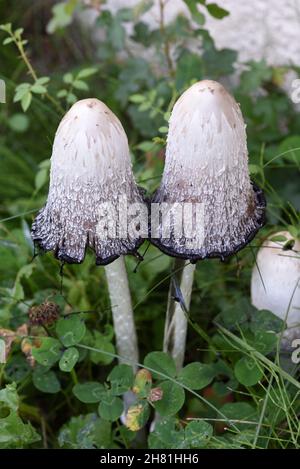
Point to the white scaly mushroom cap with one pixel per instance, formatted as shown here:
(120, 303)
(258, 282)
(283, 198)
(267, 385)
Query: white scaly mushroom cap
(207, 162)
(90, 164)
(280, 290)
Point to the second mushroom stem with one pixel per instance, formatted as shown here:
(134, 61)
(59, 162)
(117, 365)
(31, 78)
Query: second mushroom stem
(179, 299)
(122, 312)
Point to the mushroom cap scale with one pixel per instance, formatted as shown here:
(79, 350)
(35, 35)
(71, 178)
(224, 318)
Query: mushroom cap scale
(207, 162)
(90, 165)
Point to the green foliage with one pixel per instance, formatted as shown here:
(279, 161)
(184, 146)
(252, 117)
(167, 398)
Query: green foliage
(75, 82)
(48, 352)
(169, 434)
(196, 375)
(212, 8)
(69, 359)
(70, 330)
(197, 434)
(247, 371)
(102, 342)
(89, 392)
(85, 432)
(160, 364)
(110, 407)
(62, 15)
(45, 381)
(121, 379)
(14, 432)
(172, 399)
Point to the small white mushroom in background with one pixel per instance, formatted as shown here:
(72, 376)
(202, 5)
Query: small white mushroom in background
(275, 283)
(206, 163)
(90, 165)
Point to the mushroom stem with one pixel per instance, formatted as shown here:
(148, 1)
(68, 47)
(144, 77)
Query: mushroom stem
(177, 309)
(122, 312)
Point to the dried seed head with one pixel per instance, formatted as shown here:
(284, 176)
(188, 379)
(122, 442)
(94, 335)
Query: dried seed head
(43, 315)
(275, 283)
(207, 163)
(90, 165)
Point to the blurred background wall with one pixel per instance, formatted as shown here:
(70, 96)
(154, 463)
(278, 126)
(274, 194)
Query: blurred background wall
(257, 29)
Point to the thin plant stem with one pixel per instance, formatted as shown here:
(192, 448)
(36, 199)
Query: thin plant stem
(33, 73)
(166, 43)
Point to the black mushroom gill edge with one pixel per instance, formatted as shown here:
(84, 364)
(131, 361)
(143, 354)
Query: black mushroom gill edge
(99, 260)
(38, 244)
(260, 207)
(260, 202)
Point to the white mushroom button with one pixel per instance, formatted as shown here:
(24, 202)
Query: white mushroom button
(275, 283)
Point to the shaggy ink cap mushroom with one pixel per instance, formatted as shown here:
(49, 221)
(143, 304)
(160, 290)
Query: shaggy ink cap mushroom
(207, 163)
(275, 282)
(90, 165)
